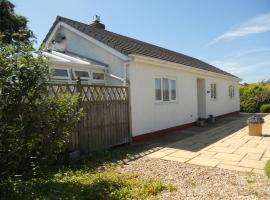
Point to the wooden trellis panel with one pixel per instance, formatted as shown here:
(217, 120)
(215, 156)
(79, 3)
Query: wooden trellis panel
(105, 122)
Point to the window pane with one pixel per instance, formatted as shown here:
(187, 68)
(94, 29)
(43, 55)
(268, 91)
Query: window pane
(165, 83)
(82, 74)
(213, 91)
(173, 90)
(60, 72)
(98, 76)
(158, 88)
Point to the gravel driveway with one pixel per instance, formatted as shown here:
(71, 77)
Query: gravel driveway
(197, 182)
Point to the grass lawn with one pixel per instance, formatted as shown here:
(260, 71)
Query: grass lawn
(93, 177)
(267, 168)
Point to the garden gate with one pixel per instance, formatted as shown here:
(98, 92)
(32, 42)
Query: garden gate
(105, 122)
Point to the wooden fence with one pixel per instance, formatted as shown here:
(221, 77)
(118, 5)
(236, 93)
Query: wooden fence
(105, 122)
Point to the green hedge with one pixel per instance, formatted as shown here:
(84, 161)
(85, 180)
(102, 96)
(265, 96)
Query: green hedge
(253, 96)
(265, 108)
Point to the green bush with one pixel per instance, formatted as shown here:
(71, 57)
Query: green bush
(267, 168)
(35, 127)
(253, 96)
(265, 108)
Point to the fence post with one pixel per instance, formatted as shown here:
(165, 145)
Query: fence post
(79, 91)
(129, 112)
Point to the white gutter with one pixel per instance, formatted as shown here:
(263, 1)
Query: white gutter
(171, 65)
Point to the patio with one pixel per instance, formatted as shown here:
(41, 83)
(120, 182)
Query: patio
(227, 146)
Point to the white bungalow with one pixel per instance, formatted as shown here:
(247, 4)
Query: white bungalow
(168, 89)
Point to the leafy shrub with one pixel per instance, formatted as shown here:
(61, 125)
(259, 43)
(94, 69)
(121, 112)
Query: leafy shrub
(35, 127)
(265, 108)
(254, 95)
(267, 168)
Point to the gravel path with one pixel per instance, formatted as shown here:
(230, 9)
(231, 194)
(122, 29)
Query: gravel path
(196, 182)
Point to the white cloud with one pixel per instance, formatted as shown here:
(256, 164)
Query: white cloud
(251, 51)
(239, 69)
(246, 52)
(258, 24)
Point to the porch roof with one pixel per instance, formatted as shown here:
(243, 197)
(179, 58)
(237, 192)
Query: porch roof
(69, 58)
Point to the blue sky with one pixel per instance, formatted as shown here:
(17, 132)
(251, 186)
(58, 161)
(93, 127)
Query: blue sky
(232, 35)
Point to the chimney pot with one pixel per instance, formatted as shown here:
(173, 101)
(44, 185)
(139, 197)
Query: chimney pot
(96, 18)
(96, 22)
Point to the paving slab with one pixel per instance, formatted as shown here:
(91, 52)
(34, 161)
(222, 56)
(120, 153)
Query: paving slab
(227, 146)
(252, 163)
(228, 156)
(204, 161)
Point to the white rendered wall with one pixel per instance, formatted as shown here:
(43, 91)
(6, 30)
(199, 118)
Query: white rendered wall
(223, 104)
(148, 115)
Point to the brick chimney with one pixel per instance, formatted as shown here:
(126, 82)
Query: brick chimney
(96, 22)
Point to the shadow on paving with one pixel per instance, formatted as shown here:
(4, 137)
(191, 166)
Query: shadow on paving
(184, 140)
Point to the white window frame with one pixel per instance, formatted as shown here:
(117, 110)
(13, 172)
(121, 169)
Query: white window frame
(83, 70)
(170, 97)
(97, 80)
(61, 77)
(170, 90)
(214, 96)
(161, 89)
(231, 91)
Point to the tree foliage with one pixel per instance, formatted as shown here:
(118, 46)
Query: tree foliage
(253, 96)
(13, 27)
(35, 127)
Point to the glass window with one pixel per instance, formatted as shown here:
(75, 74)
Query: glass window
(60, 73)
(82, 74)
(165, 83)
(98, 76)
(158, 89)
(173, 89)
(213, 91)
(231, 91)
(165, 89)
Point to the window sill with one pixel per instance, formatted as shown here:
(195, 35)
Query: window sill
(166, 102)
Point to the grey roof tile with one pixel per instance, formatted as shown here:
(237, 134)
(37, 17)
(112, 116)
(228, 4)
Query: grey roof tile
(127, 46)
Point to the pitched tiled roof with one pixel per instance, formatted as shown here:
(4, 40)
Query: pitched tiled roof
(127, 46)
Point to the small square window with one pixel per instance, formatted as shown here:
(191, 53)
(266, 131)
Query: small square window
(58, 73)
(83, 74)
(98, 76)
